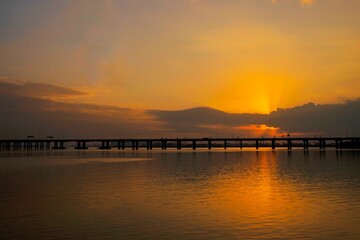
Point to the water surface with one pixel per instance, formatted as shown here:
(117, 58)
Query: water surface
(180, 195)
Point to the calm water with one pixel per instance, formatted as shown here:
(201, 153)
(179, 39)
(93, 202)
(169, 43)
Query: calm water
(180, 195)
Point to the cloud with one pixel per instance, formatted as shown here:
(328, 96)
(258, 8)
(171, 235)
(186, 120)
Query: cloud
(203, 121)
(330, 119)
(26, 111)
(309, 119)
(303, 2)
(35, 89)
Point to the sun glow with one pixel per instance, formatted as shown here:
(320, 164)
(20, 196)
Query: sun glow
(261, 129)
(254, 92)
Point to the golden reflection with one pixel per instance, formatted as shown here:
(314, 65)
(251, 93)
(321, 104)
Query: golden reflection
(260, 194)
(256, 192)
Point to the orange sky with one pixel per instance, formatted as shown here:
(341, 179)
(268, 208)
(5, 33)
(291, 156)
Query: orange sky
(237, 56)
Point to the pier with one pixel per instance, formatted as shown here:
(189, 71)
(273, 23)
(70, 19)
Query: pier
(181, 143)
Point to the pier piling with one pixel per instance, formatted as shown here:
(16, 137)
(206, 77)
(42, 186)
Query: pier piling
(338, 143)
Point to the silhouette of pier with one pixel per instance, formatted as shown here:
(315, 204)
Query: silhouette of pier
(182, 143)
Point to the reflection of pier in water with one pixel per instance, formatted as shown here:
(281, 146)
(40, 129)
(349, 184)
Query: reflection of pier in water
(183, 143)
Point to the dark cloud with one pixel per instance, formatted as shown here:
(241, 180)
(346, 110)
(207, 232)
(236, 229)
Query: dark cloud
(204, 120)
(22, 115)
(330, 119)
(28, 112)
(205, 115)
(34, 89)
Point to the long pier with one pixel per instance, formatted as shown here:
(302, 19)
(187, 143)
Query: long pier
(181, 143)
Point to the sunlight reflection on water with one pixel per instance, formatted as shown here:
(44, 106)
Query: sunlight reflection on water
(180, 195)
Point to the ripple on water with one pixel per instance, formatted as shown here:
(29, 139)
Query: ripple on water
(187, 195)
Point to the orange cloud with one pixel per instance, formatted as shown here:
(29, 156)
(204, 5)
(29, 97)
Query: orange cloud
(251, 130)
(261, 129)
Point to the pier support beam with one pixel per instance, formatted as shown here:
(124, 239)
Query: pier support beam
(353, 143)
(105, 145)
(194, 145)
(273, 144)
(322, 144)
(14, 145)
(29, 145)
(57, 145)
(289, 144)
(163, 144)
(8, 145)
(306, 144)
(81, 145)
(257, 144)
(209, 144)
(225, 144)
(78, 145)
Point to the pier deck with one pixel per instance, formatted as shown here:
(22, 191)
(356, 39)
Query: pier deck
(181, 143)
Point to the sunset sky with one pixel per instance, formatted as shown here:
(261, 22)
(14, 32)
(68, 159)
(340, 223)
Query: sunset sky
(148, 56)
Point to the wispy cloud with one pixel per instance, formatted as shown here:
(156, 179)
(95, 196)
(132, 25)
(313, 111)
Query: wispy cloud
(26, 88)
(302, 2)
(307, 2)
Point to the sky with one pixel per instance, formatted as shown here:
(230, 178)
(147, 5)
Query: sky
(139, 61)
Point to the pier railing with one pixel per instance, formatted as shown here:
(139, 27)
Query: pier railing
(182, 143)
